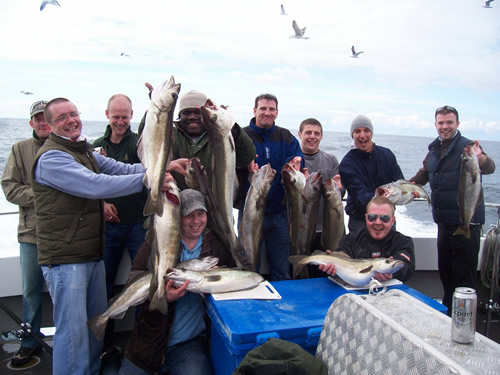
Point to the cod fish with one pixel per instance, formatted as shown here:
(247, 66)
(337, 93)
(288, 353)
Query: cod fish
(333, 215)
(470, 193)
(218, 280)
(198, 264)
(253, 213)
(302, 202)
(357, 272)
(164, 235)
(400, 192)
(218, 123)
(133, 294)
(155, 145)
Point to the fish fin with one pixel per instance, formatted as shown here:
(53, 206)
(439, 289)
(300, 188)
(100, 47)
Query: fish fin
(462, 231)
(340, 254)
(153, 207)
(366, 270)
(318, 252)
(159, 304)
(298, 263)
(141, 152)
(97, 325)
(213, 278)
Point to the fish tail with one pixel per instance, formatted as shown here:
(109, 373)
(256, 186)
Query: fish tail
(97, 325)
(297, 264)
(463, 231)
(159, 303)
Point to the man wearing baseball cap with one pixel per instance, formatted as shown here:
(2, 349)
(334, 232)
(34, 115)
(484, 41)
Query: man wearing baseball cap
(363, 169)
(16, 185)
(191, 139)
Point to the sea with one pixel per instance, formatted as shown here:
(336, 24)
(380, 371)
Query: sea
(414, 219)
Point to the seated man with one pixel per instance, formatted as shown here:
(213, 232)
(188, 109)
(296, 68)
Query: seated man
(379, 239)
(176, 343)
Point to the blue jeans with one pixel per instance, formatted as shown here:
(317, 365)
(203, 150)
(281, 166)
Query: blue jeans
(32, 279)
(277, 241)
(77, 292)
(119, 237)
(189, 357)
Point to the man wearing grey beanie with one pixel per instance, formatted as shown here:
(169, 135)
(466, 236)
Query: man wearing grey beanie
(364, 168)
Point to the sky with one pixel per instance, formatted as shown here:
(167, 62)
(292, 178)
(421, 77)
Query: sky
(418, 55)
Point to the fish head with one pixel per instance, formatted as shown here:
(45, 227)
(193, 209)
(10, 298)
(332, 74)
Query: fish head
(165, 95)
(387, 265)
(217, 119)
(173, 194)
(292, 177)
(330, 190)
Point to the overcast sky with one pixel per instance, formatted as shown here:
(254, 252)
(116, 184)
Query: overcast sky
(419, 54)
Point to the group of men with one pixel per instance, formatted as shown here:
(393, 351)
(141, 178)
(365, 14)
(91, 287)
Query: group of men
(87, 206)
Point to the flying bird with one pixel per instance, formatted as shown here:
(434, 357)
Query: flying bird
(26, 92)
(487, 4)
(45, 2)
(299, 33)
(283, 13)
(354, 53)
(125, 54)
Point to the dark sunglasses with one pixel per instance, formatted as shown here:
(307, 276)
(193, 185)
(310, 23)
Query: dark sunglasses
(446, 108)
(372, 217)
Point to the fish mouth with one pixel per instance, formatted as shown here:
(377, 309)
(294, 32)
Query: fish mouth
(172, 197)
(381, 192)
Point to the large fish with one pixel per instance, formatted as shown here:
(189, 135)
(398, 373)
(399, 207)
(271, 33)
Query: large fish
(333, 215)
(218, 123)
(470, 193)
(218, 280)
(133, 294)
(164, 235)
(155, 145)
(302, 201)
(400, 192)
(253, 213)
(357, 272)
(198, 264)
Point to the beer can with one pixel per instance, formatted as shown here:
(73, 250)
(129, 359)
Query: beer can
(463, 315)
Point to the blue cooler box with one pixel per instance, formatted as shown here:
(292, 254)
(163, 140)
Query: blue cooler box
(239, 326)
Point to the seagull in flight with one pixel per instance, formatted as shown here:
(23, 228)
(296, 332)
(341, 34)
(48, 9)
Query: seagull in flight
(26, 92)
(487, 4)
(299, 33)
(45, 2)
(354, 53)
(125, 55)
(283, 13)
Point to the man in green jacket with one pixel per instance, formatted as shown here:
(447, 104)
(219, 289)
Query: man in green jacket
(16, 184)
(123, 215)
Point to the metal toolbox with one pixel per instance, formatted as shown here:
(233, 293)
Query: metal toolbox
(394, 333)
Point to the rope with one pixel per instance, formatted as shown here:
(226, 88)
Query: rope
(374, 287)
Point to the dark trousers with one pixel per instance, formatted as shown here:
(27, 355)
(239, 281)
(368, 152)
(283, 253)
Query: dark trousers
(457, 259)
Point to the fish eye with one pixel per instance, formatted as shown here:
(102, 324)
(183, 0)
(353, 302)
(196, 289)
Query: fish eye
(213, 118)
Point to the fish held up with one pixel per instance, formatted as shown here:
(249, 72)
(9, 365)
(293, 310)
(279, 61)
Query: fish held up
(401, 192)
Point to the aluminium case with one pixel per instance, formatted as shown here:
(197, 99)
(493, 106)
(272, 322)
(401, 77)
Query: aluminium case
(394, 333)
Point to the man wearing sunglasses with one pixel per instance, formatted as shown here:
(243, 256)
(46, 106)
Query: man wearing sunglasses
(379, 239)
(457, 254)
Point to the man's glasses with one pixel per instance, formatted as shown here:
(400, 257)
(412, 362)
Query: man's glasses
(372, 217)
(446, 108)
(62, 118)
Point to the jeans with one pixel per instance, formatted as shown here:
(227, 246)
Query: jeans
(277, 241)
(119, 237)
(77, 292)
(32, 279)
(457, 259)
(189, 357)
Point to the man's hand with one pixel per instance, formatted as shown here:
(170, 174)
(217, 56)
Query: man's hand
(328, 268)
(111, 213)
(295, 162)
(383, 276)
(253, 166)
(173, 293)
(178, 165)
(337, 181)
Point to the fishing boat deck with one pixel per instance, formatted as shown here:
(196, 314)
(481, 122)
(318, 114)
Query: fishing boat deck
(426, 282)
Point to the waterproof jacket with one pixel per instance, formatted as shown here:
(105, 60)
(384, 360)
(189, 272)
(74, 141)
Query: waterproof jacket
(130, 207)
(361, 245)
(16, 184)
(70, 229)
(276, 146)
(147, 345)
(362, 172)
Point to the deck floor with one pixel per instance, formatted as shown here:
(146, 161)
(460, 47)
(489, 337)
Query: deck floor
(426, 282)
